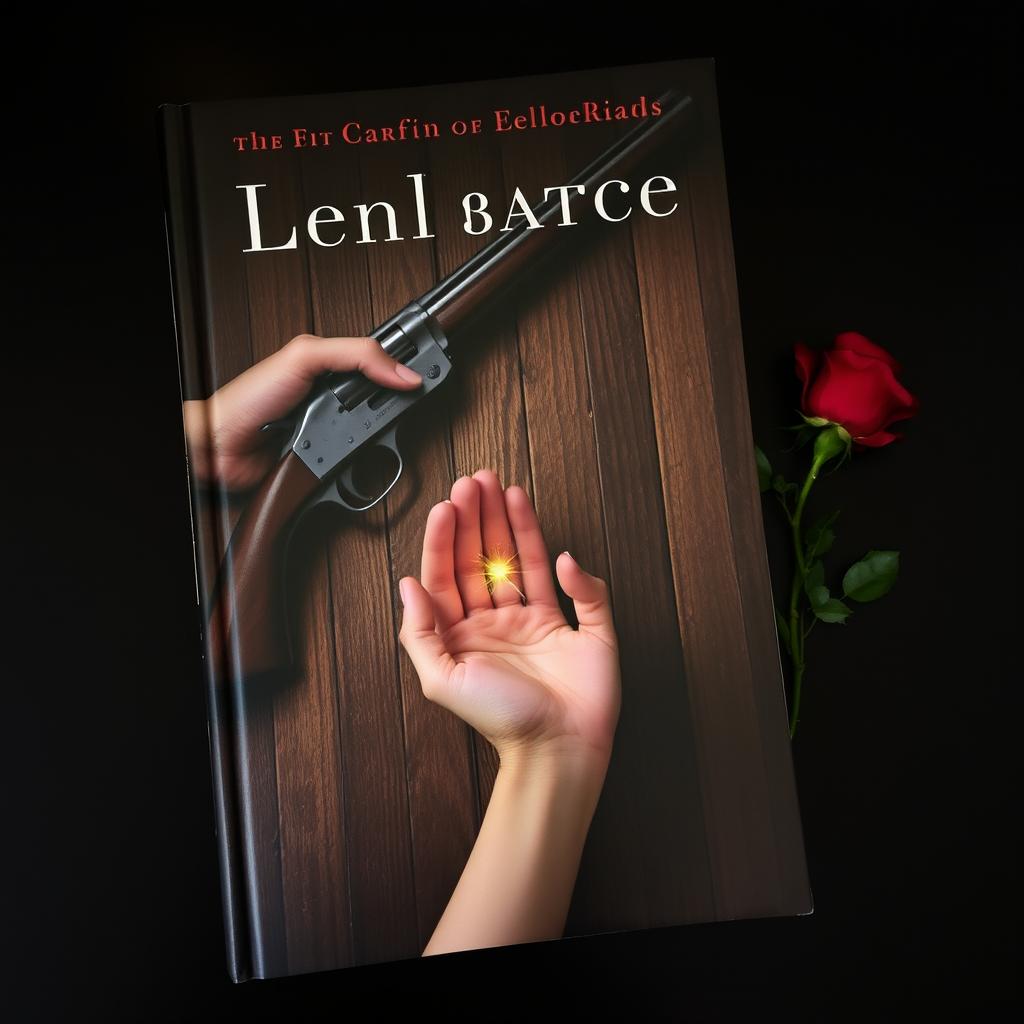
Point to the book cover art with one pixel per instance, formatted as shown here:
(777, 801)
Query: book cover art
(385, 598)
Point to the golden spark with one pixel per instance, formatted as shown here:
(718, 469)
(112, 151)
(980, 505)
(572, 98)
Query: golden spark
(498, 567)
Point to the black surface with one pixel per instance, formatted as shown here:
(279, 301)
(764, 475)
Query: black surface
(871, 189)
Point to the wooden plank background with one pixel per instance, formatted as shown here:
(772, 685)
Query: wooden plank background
(612, 390)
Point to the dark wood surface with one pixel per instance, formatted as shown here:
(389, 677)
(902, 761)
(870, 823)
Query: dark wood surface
(612, 389)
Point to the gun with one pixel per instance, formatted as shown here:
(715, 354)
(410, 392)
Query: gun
(347, 414)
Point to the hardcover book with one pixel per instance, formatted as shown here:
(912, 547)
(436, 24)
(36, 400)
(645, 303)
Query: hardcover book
(551, 257)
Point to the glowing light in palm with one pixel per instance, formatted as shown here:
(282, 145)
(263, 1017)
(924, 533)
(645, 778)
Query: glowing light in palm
(499, 567)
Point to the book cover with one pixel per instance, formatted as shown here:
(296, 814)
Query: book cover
(552, 256)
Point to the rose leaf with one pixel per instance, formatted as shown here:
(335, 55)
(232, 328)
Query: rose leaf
(873, 576)
(833, 610)
(814, 585)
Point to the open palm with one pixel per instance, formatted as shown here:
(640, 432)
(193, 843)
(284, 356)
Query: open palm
(486, 634)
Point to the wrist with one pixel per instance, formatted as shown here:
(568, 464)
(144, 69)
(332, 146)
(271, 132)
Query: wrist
(564, 750)
(570, 762)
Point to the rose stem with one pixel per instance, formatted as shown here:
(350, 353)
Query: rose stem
(796, 637)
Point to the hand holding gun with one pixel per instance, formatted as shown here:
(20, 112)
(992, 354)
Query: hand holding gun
(224, 433)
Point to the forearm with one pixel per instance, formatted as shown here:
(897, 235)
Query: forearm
(518, 881)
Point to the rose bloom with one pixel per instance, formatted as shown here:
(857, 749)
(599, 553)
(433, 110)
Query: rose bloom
(854, 385)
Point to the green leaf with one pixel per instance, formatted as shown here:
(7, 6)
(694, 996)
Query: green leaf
(780, 486)
(815, 421)
(814, 585)
(833, 610)
(783, 628)
(873, 576)
(764, 470)
(820, 536)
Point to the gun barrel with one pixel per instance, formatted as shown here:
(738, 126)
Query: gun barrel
(500, 263)
(506, 260)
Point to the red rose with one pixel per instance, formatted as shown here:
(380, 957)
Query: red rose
(854, 384)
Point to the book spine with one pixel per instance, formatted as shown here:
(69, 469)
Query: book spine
(184, 258)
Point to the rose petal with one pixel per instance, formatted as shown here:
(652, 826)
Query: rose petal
(851, 341)
(860, 392)
(806, 363)
(878, 439)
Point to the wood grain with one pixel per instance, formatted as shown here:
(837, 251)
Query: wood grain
(708, 599)
(646, 862)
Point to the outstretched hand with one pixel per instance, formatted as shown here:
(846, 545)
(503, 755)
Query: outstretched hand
(223, 432)
(495, 648)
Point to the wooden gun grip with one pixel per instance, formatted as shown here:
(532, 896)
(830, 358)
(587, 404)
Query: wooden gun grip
(248, 631)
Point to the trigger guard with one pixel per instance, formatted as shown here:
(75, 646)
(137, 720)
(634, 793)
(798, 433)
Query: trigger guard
(347, 478)
(387, 440)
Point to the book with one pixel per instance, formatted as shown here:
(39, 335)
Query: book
(553, 255)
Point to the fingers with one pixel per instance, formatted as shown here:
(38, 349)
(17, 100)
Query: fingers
(437, 567)
(433, 664)
(469, 575)
(311, 355)
(535, 570)
(506, 582)
(590, 598)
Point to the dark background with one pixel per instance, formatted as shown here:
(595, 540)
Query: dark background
(871, 189)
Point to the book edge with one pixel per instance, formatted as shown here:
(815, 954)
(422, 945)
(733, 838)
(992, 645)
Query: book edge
(178, 206)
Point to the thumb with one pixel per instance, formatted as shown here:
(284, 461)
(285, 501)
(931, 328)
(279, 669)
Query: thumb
(376, 364)
(429, 656)
(311, 355)
(590, 598)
